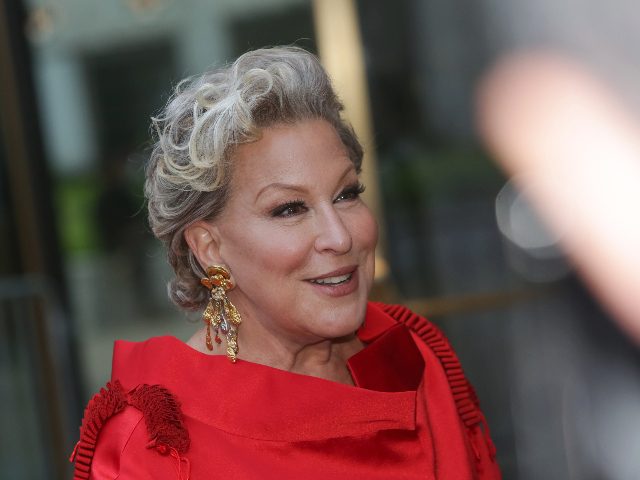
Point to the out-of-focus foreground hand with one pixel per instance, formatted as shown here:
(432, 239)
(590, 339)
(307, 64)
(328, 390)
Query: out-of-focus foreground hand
(570, 143)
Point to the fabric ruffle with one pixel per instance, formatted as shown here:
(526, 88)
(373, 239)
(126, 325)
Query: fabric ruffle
(161, 413)
(464, 394)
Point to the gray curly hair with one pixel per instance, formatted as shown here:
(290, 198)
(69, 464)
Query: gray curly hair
(190, 167)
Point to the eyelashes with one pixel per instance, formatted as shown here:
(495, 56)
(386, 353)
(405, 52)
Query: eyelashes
(289, 209)
(352, 192)
(298, 206)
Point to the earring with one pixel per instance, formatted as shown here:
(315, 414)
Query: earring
(221, 314)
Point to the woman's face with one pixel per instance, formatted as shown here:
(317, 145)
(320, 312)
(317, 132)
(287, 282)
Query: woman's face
(297, 237)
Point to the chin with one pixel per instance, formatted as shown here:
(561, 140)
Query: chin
(344, 320)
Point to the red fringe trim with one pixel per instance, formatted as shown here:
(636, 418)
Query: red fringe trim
(162, 416)
(160, 410)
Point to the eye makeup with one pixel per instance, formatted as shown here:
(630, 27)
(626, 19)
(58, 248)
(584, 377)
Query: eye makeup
(298, 206)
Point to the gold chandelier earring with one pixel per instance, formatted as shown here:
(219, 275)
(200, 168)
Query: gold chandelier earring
(221, 315)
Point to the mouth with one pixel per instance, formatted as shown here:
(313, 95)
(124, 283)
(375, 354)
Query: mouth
(335, 278)
(338, 280)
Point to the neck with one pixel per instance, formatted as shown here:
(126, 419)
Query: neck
(322, 358)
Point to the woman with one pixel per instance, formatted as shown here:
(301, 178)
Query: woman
(253, 188)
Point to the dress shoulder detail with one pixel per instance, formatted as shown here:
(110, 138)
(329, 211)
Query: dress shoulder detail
(162, 416)
(160, 410)
(109, 401)
(463, 393)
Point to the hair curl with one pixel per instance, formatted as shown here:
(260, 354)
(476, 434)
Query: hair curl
(190, 167)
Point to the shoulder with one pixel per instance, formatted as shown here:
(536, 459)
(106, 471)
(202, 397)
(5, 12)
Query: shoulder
(130, 434)
(421, 327)
(144, 350)
(462, 392)
(402, 314)
(426, 330)
(438, 344)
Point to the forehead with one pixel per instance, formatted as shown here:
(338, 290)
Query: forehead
(306, 151)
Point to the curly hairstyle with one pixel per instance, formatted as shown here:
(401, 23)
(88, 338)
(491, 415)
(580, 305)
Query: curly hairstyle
(191, 164)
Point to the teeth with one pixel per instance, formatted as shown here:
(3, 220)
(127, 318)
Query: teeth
(332, 280)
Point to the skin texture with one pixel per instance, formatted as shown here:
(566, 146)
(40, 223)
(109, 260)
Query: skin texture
(294, 214)
(571, 144)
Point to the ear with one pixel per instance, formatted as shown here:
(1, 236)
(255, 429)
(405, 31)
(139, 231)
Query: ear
(203, 240)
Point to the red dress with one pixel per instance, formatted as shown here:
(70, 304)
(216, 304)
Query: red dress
(171, 412)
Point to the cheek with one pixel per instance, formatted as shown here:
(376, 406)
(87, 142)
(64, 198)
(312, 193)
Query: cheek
(271, 250)
(365, 231)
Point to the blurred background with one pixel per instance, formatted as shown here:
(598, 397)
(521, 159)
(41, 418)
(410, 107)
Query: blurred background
(79, 268)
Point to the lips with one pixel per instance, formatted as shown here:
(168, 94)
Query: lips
(337, 280)
(337, 283)
(336, 277)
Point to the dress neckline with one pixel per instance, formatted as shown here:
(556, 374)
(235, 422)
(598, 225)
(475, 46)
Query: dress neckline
(262, 402)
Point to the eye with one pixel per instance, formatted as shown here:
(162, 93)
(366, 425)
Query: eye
(352, 192)
(289, 209)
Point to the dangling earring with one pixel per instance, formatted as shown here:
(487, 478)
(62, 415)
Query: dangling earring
(221, 314)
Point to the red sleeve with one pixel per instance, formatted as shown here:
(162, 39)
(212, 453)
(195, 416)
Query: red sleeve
(127, 435)
(122, 452)
(112, 442)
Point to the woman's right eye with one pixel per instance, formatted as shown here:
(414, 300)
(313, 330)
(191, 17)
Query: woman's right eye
(289, 209)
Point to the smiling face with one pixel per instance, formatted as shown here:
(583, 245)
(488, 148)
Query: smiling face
(296, 236)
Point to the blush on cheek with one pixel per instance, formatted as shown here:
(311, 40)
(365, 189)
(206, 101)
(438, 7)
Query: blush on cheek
(368, 229)
(279, 252)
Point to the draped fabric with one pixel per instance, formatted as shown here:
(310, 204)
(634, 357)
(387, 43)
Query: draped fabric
(411, 415)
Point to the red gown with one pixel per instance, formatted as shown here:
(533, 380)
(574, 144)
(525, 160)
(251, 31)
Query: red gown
(171, 412)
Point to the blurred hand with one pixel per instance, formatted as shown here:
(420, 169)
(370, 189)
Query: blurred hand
(575, 150)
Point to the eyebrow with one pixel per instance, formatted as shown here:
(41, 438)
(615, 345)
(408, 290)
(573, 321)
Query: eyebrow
(280, 186)
(297, 188)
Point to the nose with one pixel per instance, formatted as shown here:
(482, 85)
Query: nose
(332, 232)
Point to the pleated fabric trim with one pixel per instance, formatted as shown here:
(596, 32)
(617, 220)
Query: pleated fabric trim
(463, 394)
(161, 413)
(104, 404)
